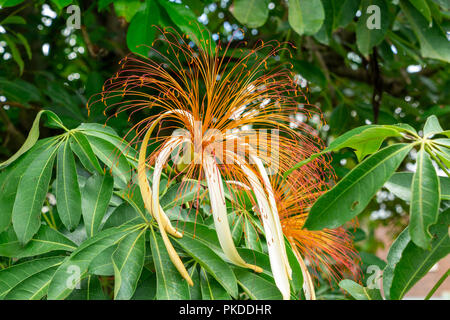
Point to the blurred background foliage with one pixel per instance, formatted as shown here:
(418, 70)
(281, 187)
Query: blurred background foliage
(357, 76)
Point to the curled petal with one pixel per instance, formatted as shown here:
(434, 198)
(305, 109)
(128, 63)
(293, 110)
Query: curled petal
(273, 206)
(145, 188)
(160, 161)
(217, 198)
(275, 247)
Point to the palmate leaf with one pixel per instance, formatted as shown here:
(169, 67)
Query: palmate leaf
(210, 288)
(13, 276)
(352, 194)
(400, 185)
(128, 261)
(31, 192)
(257, 287)
(33, 135)
(394, 256)
(364, 140)
(90, 289)
(425, 200)
(81, 147)
(96, 193)
(46, 240)
(170, 285)
(359, 292)
(211, 262)
(76, 266)
(68, 194)
(10, 178)
(110, 155)
(415, 262)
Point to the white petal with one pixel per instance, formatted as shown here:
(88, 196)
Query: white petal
(217, 198)
(275, 247)
(160, 161)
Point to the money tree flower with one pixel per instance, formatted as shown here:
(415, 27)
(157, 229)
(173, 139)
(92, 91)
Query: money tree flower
(329, 251)
(214, 113)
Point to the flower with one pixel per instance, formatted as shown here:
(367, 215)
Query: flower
(222, 114)
(327, 250)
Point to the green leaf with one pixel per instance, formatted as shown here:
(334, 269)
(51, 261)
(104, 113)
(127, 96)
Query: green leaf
(61, 4)
(110, 155)
(146, 288)
(121, 215)
(96, 193)
(424, 201)
(211, 289)
(90, 289)
(394, 255)
(306, 16)
(19, 90)
(433, 42)
(345, 12)
(352, 194)
(75, 267)
(127, 8)
(128, 261)
(372, 25)
(141, 31)
(211, 262)
(31, 192)
(102, 264)
(186, 21)
(310, 72)
(252, 239)
(415, 262)
(432, 126)
(13, 20)
(33, 136)
(170, 284)
(252, 13)
(401, 182)
(15, 52)
(423, 8)
(359, 292)
(257, 287)
(179, 194)
(10, 178)
(33, 288)
(10, 3)
(68, 195)
(13, 276)
(364, 140)
(81, 147)
(46, 240)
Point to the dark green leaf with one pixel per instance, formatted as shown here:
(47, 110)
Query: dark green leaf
(128, 261)
(68, 194)
(372, 25)
(425, 198)
(96, 193)
(252, 13)
(352, 194)
(359, 292)
(306, 16)
(415, 262)
(31, 192)
(170, 284)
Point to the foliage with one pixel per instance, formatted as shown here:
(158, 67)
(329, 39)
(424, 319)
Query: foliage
(365, 81)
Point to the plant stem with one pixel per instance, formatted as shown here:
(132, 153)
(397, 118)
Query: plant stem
(437, 285)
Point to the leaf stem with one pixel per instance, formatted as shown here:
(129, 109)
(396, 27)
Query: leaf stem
(437, 285)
